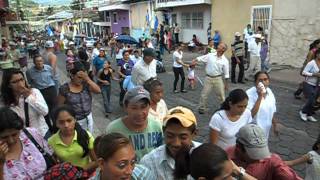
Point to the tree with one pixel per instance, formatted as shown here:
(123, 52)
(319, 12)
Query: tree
(75, 5)
(49, 11)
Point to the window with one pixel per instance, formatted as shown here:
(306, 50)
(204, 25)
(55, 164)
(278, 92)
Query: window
(192, 20)
(115, 17)
(261, 16)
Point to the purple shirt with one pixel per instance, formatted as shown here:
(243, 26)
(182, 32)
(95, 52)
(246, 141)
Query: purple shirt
(31, 164)
(126, 67)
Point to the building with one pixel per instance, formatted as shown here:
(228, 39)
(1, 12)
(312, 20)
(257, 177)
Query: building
(192, 16)
(117, 13)
(291, 25)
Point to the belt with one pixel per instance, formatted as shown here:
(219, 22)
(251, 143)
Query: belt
(214, 76)
(47, 88)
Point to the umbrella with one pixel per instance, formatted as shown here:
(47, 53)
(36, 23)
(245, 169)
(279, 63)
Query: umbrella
(126, 39)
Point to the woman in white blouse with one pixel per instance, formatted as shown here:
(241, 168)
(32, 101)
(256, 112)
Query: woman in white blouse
(158, 108)
(226, 122)
(312, 75)
(19, 97)
(262, 103)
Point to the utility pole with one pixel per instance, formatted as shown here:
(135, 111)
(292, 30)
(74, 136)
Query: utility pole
(81, 25)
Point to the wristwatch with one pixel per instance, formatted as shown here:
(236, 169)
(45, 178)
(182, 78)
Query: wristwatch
(242, 172)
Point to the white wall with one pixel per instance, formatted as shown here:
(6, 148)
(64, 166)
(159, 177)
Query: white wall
(295, 25)
(186, 34)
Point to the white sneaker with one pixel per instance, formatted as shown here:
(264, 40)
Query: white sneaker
(303, 116)
(311, 118)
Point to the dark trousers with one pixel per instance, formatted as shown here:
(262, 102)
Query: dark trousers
(122, 92)
(176, 37)
(178, 72)
(311, 92)
(50, 94)
(233, 69)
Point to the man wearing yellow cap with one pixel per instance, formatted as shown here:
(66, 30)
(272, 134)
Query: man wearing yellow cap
(179, 128)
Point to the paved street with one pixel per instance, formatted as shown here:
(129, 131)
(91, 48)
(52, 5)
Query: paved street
(296, 137)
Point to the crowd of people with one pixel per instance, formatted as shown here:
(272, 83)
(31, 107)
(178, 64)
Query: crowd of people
(47, 129)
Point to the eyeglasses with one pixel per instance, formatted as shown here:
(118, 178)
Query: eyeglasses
(17, 80)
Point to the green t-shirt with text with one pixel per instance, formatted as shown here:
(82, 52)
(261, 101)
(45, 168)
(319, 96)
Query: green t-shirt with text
(143, 142)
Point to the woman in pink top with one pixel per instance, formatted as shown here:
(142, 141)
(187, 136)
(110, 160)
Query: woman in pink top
(19, 157)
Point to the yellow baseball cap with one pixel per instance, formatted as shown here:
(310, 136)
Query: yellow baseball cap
(184, 115)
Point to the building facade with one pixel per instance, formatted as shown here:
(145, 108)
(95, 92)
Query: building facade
(192, 16)
(117, 13)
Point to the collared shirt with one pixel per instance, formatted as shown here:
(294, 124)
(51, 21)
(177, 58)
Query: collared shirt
(31, 164)
(139, 173)
(254, 48)
(40, 79)
(161, 164)
(215, 65)
(71, 153)
(142, 71)
(267, 108)
(270, 168)
(160, 112)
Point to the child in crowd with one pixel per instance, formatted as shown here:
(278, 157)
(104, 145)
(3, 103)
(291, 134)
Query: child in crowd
(104, 80)
(312, 158)
(70, 59)
(191, 77)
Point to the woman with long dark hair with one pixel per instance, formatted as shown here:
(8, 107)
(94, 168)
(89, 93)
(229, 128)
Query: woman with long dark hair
(19, 156)
(72, 143)
(77, 94)
(226, 122)
(207, 162)
(27, 102)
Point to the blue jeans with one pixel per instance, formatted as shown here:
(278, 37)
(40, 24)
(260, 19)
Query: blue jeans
(105, 91)
(311, 92)
(161, 48)
(264, 65)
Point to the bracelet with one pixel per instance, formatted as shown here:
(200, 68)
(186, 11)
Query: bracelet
(242, 172)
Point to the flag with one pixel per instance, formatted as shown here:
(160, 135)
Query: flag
(49, 31)
(147, 18)
(156, 24)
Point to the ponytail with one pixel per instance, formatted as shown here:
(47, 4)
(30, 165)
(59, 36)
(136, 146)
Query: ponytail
(225, 105)
(182, 163)
(82, 138)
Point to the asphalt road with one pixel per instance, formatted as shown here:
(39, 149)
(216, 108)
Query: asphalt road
(296, 137)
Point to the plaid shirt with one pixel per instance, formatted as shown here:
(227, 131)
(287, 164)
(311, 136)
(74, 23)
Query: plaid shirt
(161, 164)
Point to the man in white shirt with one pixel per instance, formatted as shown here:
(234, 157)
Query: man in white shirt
(144, 69)
(217, 73)
(179, 126)
(136, 56)
(255, 61)
(96, 50)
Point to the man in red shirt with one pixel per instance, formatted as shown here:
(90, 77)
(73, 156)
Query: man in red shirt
(252, 153)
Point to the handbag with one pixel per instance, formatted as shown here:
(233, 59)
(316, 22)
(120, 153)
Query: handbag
(50, 161)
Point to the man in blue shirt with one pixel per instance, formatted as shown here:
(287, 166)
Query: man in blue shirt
(41, 76)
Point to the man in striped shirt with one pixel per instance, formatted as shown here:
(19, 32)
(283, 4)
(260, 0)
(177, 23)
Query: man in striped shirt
(237, 48)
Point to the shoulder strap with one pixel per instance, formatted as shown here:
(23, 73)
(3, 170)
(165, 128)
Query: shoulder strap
(34, 141)
(26, 114)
